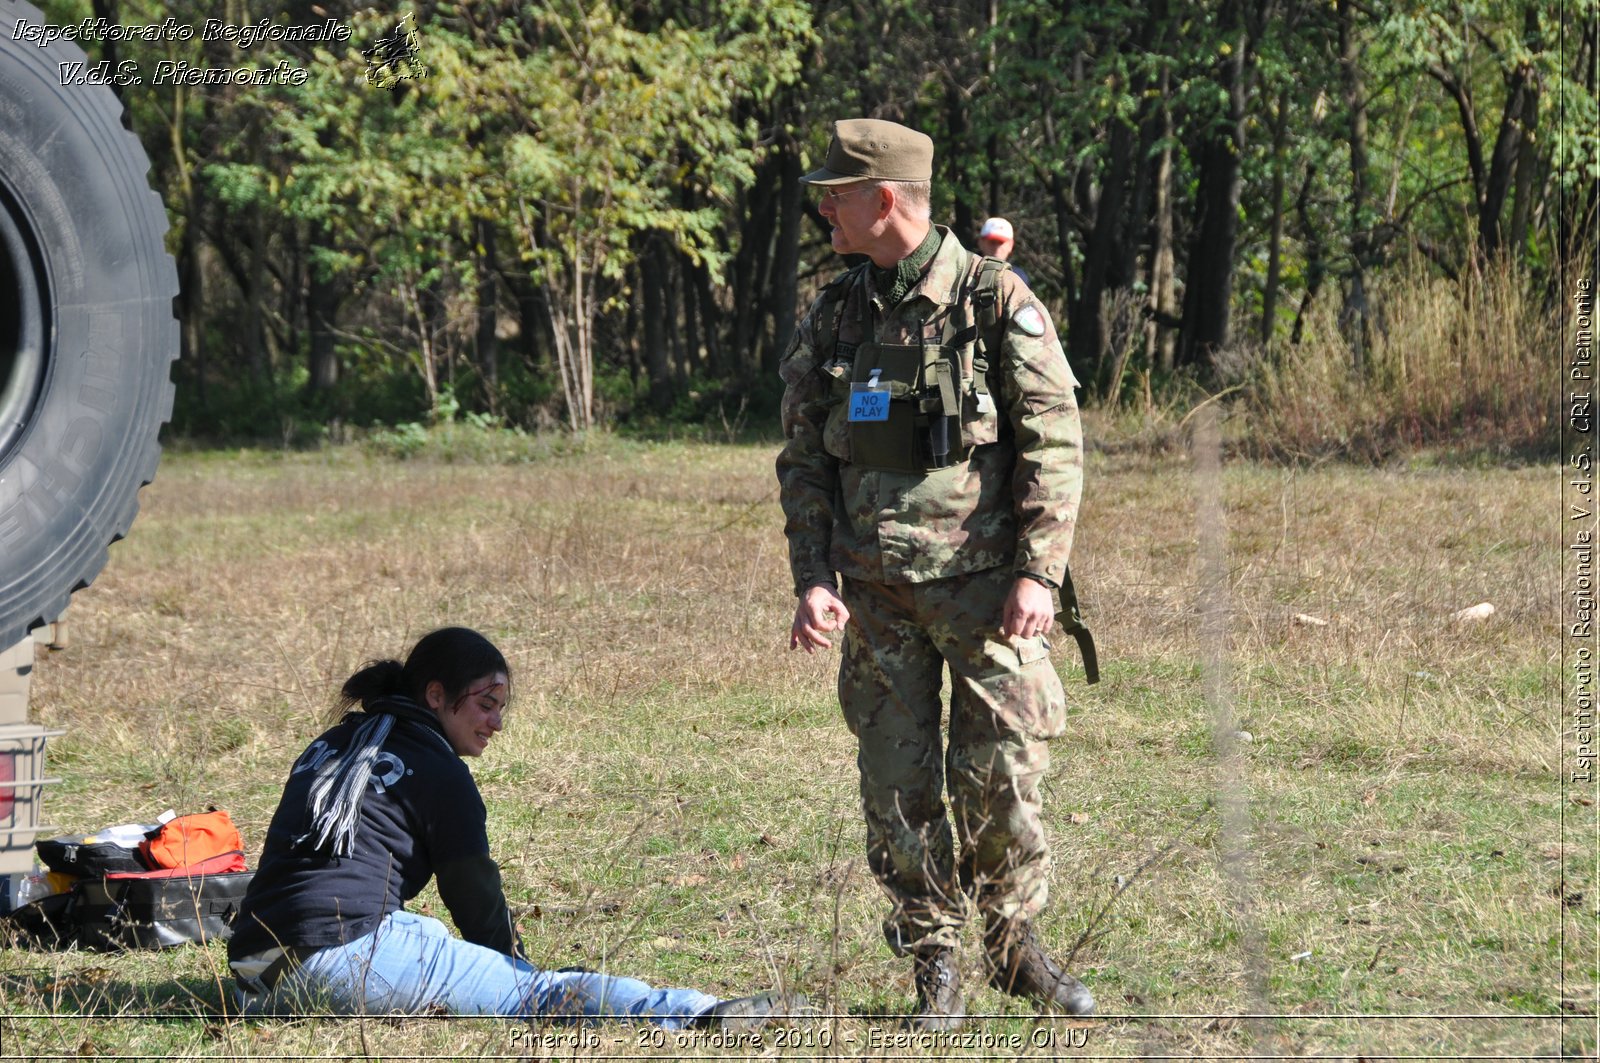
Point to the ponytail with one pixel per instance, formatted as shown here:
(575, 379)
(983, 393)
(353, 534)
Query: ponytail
(376, 679)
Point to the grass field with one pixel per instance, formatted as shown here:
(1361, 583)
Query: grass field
(675, 796)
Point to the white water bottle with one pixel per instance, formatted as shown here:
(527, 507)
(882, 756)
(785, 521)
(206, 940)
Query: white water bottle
(35, 886)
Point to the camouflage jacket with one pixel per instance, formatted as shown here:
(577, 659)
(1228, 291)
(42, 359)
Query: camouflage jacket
(1014, 501)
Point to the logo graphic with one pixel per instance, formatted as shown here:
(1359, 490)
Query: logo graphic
(387, 769)
(314, 756)
(393, 57)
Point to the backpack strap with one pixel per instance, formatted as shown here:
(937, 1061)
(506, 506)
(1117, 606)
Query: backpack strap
(986, 301)
(976, 297)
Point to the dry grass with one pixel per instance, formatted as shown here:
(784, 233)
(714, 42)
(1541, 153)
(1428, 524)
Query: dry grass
(1467, 364)
(676, 793)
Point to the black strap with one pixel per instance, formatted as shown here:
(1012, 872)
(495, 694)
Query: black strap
(986, 298)
(1072, 623)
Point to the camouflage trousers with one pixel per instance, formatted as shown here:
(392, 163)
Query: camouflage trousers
(1006, 702)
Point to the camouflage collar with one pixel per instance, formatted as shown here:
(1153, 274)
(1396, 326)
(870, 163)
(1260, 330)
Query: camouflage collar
(938, 281)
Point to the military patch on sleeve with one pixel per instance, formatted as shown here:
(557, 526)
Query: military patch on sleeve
(1029, 320)
(845, 352)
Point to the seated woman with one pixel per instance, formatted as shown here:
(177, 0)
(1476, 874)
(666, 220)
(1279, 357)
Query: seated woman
(375, 807)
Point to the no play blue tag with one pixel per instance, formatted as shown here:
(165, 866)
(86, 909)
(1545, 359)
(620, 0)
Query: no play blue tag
(869, 402)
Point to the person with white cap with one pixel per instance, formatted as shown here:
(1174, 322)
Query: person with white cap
(997, 240)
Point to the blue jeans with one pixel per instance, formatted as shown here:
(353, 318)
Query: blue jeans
(412, 964)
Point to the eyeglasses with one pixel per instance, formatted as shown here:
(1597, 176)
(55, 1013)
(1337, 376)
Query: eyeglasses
(829, 195)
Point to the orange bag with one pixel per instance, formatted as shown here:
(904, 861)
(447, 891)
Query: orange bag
(191, 839)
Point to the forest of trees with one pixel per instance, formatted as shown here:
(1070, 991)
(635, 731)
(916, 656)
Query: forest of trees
(579, 212)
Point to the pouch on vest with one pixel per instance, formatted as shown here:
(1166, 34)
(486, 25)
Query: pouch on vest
(923, 430)
(890, 443)
(981, 326)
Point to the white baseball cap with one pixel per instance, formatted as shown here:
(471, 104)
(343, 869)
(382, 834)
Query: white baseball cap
(998, 228)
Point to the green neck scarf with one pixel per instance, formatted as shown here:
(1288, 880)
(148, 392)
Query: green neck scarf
(895, 281)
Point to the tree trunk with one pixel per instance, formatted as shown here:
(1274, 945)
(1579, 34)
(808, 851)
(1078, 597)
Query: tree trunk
(1208, 277)
(1069, 284)
(1208, 273)
(710, 314)
(653, 268)
(432, 327)
(191, 298)
(996, 204)
(322, 312)
(191, 292)
(1316, 255)
(1088, 338)
(254, 299)
(1353, 315)
(587, 301)
(786, 259)
(1061, 208)
(486, 342)
(1132, 231)
(532, 319)
(108, 51)
(689, 360)
(1161, 338)
(752, 266)
(1527, 170)
(961, 217)
(415, 300)
(1269, 296)
(1578, 212)
(292, 304)
(1522, 90)
(571, 314)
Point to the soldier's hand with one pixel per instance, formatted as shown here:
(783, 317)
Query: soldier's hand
(818, 611)
(1029, 610)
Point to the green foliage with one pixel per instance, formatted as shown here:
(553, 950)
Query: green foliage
(484, 234)
(571, 128)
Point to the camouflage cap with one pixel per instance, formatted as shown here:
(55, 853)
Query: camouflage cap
(866, 148)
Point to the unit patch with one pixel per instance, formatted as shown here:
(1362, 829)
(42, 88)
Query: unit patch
(1029, 320)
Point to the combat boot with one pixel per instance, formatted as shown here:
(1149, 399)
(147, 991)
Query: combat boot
(939, 1004)
(748, 1014)
(1022, 968)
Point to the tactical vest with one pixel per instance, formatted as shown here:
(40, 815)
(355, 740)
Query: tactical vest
(936, 399)
(930, 423)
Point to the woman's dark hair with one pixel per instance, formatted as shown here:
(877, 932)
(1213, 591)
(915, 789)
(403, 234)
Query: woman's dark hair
(454, 656)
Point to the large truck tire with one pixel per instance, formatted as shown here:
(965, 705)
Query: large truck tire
(87, 335)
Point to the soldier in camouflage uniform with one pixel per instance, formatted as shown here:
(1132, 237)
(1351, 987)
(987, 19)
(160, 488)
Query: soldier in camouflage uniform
(933, 464)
